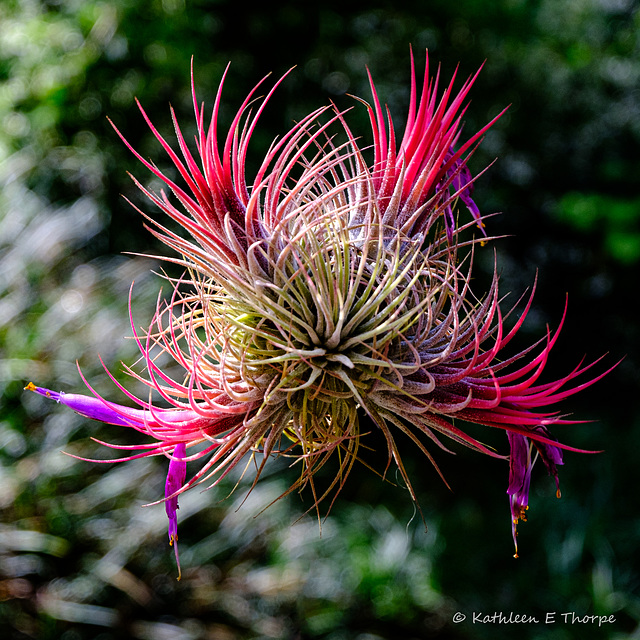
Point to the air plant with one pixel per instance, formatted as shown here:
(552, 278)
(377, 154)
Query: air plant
(334, 291)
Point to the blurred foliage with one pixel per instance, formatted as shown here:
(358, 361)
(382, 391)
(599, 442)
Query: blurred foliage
(79, 558)
(617, 220)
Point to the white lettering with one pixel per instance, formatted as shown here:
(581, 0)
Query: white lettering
(569, 617)
(500, 618)
(573, 618)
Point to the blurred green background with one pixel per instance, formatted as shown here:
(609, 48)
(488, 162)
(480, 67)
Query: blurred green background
(80, 558)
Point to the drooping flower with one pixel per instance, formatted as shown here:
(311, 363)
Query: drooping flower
(332, 290)
(520, 466)
(175, 479)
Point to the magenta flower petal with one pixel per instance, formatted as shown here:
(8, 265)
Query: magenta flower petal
(151, 420)
(551, 456)
(93, 408)
(520, 466)
(175, 480)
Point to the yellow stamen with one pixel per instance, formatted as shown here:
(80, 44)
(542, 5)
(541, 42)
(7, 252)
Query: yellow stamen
(172, 539)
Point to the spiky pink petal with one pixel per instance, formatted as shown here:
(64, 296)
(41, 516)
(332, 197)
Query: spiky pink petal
(426, 167)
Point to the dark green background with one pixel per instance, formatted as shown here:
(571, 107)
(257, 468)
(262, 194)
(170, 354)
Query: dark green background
(80, 558)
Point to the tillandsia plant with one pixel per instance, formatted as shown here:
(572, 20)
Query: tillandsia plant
(334, 290)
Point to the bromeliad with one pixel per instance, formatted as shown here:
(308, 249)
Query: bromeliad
(334, 290)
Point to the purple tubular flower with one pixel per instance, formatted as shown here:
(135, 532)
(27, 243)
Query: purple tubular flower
(175, 479)
(150, 421)
(520, 466)
(460, 181)
(550, 454)
(330, 288)
(96, 408)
